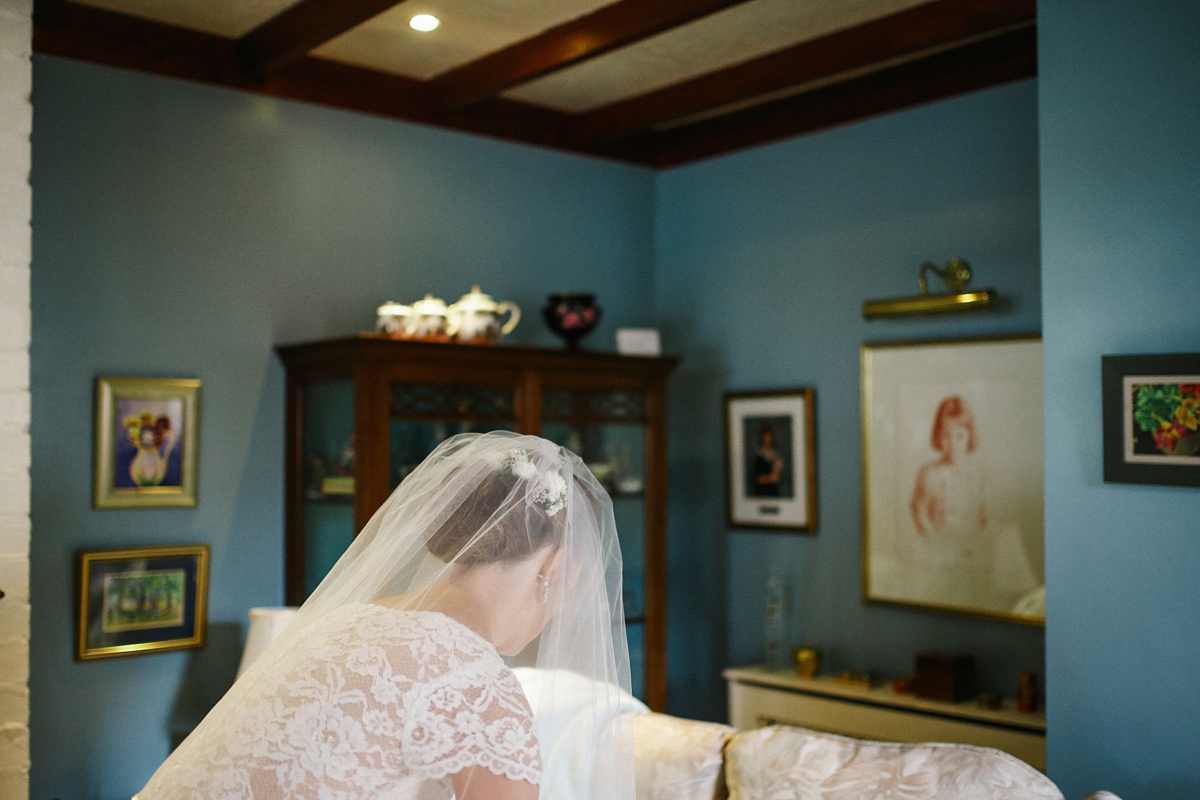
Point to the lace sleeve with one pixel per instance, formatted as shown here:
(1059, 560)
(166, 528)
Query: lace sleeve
(473, 717)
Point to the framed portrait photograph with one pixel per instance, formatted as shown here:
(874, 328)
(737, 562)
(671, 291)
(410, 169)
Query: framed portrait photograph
(1151, 418)
(146, 439)
(770, 463)
(952, 476)
(142, 600)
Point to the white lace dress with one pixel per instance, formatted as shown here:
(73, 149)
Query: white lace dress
(374, 704)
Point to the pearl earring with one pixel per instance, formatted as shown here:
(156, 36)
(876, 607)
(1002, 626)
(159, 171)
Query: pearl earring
(545, 588)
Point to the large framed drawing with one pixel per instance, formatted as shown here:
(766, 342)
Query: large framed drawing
(141, 600)
(952, 476)
(770, 465)
(1152, 418)
(146, 438)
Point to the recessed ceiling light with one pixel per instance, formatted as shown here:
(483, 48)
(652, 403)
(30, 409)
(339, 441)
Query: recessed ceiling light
(424, 22)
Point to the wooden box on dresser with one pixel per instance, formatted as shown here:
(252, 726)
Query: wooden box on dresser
(363, 411)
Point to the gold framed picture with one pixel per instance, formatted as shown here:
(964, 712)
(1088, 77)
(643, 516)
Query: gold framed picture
(146, 440)
(142, 600)
(770, 460)
(952, 476)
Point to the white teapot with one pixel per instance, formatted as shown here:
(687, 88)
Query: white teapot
(476, 317)
(431, 320)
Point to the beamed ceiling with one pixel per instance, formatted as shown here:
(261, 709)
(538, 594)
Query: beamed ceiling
(654, 82)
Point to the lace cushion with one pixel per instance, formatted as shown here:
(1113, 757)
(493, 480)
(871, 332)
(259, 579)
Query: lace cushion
(677, 759)
(373, 704)
(799, 764)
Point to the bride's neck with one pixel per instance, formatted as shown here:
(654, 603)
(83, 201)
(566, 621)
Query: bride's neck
(483, 598)
(461, 606)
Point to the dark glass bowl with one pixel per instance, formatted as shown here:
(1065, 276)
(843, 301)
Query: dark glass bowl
(571, 315)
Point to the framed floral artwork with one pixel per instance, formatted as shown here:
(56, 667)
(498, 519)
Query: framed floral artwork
(770, 462)
(142, 600)
(146, 439)
(1151, 418)
(952, 476)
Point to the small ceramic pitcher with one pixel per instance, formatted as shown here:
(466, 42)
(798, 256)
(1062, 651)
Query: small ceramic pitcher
(477, 317)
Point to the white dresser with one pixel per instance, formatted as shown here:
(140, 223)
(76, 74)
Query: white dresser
(760, 697)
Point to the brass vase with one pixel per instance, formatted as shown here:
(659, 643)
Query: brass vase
(808, 661)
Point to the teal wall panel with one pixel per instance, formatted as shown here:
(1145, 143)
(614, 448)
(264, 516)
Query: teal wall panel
(181, 230)
(1120, 173)
(763, 260)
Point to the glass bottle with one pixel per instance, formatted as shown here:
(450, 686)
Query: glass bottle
(773, 621)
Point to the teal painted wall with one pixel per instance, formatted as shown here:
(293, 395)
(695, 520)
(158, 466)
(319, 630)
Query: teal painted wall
(181, 230)
(763, 260)
(1120, 173)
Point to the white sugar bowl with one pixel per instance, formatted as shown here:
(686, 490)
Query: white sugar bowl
(431, 320)
(392, 319)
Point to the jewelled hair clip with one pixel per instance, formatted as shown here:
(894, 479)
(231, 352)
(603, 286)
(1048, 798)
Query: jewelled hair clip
(550, 493)
(549, 490)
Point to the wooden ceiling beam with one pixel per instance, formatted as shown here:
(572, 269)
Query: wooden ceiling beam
(104, 37)
(1000, 59)
(119, 40)
(82, 32)
(606, 29)
(905, 33)
(308, 24)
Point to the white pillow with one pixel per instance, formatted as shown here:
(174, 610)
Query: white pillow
(584, 718)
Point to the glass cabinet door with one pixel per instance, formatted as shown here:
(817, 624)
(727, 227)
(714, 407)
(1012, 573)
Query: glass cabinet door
(606, 429)
(327, 447)
(424, 414)
(421, 415)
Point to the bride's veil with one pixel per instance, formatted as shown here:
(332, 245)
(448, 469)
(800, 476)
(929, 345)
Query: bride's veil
(480, 498)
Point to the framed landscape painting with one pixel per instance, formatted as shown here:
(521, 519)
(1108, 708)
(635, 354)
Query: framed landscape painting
(142, 600)
(146, 438)
(952, 476)
(1151, 418)
(770, 464)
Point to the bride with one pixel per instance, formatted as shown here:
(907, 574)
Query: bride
(394, 680)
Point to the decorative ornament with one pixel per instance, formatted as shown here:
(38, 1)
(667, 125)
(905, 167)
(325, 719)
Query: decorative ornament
(571, 316)
(549, 490)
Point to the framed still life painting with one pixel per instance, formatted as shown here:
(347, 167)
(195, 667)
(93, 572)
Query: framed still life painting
(770, 465)
(142, 600)
(1151, 418)
(146, 438)
(952, 476)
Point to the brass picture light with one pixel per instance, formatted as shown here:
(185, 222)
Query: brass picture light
(956, 275)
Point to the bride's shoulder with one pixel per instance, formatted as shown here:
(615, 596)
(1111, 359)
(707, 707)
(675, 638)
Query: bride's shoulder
(426, 632)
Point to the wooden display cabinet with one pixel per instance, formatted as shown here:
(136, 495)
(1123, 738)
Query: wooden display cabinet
(363, 411)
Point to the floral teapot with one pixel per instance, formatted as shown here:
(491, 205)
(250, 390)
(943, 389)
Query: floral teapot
(476, 317)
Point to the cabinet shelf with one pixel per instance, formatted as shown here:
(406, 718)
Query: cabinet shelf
(332, 500)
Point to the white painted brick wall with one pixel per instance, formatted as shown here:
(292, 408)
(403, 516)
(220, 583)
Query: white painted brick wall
(16, 117)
